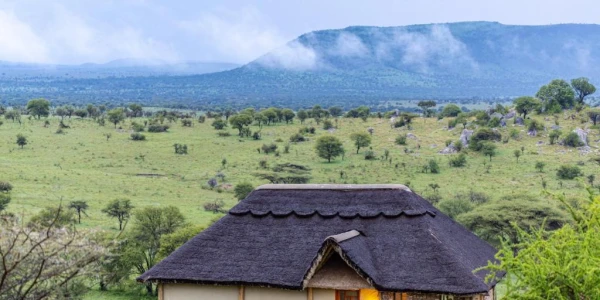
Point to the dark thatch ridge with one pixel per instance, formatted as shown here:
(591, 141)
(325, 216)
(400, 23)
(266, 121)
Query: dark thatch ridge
(275, 237)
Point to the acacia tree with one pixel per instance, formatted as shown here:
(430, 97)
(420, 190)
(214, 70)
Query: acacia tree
(40, 262)
(120, 209)
(562, 264)
(556, 95)
(116, 115)
(425, 106)
(240, 121)
(360, 139)
(39, 107)
(525, 105)
(329, 147)
(21, 140)
(144, 240)
(583, 88)
(302, 115)
(79, 207)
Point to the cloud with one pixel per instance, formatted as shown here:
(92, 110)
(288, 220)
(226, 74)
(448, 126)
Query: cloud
(437, 47)
(72, 38)
(67, 37)
(18, 42)
(349, 45)
(237, 35)
(292, 56)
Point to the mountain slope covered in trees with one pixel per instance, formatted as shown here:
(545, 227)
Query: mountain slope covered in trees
(358, 64)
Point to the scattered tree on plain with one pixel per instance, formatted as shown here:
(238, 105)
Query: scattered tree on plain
(329, 147)
(119, 209)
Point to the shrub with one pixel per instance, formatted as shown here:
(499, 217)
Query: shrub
(186, 123)
(180, 149)
(401, 140)
(568, 172)
(370, 155)
(454, 207)
(514, 134)
(327, 125)
(296, 138)
(539, 165)
(434, 167)
(554, 135)
(137, 127)
(484, 134)
(493, 123)
(458, 161)
(458, 145)
(266, 149)
(60, 131)
(201, 119)
(136, 136)
(158, 128)
(242, 190)
(263, 164)
(5, 187)
(535, 125)
(215, 207)
(573, 140)
(223, 133)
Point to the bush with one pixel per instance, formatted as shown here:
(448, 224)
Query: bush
(568, 172)
(370, 155)
(458, 145)
(215, 207)
(137, 127)
(266, 149)
(242, 190)
(454, 207)
(158, 128)
(186, 123)
(296, 138)
(573, 140)
(458, 161)
(5, 187)
(327, 125)
(401, 140)
(136, 136)
(310, 130)
(535, 125)
(484, 134)
(434, 167)
(554, 135)
(223, 133)
(201, 119)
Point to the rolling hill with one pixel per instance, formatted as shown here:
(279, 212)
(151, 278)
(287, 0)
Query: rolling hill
(362, 64)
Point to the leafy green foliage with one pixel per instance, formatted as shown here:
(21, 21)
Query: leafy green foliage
(572, 140)
(21, 140)
(568, 172)
(493, 220)
(451, 110)
(329, 147)
(481, 136)
(116, 116)
(39, 107)
(583, 88)
(525, 105)
(217, 124)
(119, 209)
(242, 190)
(553, 265)
(360, 139)
(556, 96)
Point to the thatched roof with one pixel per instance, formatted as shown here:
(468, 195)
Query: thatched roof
(282, 235)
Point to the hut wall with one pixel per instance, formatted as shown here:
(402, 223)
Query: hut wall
(323, 294)
(199, 292)
(258, 293)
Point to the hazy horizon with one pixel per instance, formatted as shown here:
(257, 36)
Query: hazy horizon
(232, 31)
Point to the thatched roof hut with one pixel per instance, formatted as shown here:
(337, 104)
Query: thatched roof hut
(340, 237)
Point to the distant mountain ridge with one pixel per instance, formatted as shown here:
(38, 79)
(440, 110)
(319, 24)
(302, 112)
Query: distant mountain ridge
(363, 64)
(117, 68)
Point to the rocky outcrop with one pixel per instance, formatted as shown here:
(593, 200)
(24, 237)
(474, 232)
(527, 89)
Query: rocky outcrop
(583, 135)
(450, 149)
(465, 136)
(519, 121)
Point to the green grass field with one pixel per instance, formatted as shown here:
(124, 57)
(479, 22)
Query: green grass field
(83, 165)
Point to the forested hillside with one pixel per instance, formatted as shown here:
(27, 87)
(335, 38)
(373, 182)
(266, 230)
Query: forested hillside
(468, 60)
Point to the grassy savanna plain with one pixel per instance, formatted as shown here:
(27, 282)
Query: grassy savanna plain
(82, 164)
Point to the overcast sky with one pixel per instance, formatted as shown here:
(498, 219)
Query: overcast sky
(79, 31)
